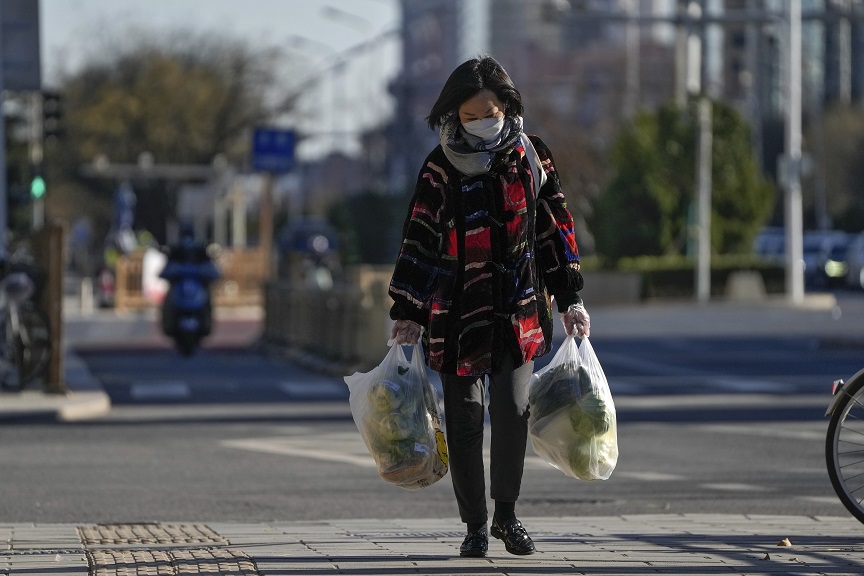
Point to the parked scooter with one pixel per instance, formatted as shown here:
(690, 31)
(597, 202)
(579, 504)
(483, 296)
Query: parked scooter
(25, 336)
(187, 311)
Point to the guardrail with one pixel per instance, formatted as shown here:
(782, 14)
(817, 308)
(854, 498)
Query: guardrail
(347, 326)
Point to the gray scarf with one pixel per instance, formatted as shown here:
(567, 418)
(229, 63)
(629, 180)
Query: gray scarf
(471, 155)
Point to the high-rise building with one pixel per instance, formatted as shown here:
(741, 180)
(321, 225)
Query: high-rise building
(591, 64)
(437, 35)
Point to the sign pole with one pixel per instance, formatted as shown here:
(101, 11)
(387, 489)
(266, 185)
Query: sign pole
(265, 224)
(272, 153)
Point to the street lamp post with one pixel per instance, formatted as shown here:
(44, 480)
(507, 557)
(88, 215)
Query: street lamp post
(705, 145)
(792, 157)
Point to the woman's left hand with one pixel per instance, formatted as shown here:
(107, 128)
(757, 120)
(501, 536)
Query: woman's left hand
(406, 332)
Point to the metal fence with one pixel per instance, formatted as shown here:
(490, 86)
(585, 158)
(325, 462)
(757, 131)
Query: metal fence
(348, 325)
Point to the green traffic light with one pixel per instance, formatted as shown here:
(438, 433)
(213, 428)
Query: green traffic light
(37, 187)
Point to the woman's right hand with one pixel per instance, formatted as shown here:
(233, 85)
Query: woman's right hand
(576, 321)
(406, 332)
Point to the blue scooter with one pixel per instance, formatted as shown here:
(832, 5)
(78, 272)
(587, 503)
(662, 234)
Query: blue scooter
(187, 311)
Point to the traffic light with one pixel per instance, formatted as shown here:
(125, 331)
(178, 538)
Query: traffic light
(52, 115)
(37, 187)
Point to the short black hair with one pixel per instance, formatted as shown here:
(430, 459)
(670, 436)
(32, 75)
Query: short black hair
(469, 78)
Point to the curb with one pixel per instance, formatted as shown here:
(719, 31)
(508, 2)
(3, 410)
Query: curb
(84, 398)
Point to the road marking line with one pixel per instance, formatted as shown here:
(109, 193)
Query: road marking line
(717, 400)
(820, 499)
(625, 387)
(282, 446)
(734, 487)
(765, 432)
(149, 390)
(285, 447)
(648, 476)
(314, 389)
(744, 385)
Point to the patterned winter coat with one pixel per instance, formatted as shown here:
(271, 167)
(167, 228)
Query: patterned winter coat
(480, 258)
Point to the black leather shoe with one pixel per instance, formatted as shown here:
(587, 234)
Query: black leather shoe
(515, 537)
(476, 544)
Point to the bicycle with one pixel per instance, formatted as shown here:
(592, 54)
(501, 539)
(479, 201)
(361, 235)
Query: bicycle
(25, 340)
(844, 443)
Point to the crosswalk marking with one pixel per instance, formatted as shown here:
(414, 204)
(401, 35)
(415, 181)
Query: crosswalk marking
(745, 385)
(159, 389)
(323, 389)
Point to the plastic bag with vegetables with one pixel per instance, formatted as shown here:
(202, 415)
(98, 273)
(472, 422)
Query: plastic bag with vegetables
(395, 408)
(572, 422)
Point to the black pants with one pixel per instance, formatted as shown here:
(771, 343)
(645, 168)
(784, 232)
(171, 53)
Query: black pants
(508, 416)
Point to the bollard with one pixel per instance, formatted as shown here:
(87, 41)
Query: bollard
(86, 296)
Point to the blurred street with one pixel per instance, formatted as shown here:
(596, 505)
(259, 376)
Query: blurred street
(250, 167)
(720, 411)
(712, 402)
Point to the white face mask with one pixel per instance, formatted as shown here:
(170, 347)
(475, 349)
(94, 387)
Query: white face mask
(485, 128)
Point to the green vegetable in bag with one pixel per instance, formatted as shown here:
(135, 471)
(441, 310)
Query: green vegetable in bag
(385, 397)
(592, 411)
(395, 409)
(572, 417)
(555, 389)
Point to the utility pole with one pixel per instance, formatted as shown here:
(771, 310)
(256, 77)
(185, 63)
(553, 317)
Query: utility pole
(790, 165)
(703, 199)
(632, 40)
(705, 143)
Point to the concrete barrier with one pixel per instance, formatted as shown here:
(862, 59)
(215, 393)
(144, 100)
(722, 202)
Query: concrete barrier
(745, 285)
(611, 288)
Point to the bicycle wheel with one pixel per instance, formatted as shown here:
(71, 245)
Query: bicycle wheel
(844, 449)
(34, 340)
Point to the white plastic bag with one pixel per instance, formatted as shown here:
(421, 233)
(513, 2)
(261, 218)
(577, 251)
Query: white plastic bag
(572, 422)
(395, 409)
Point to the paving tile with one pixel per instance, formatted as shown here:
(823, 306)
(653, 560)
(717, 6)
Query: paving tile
(650, 544)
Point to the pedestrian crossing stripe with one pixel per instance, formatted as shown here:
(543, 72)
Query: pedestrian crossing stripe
(323, 389)
(159, 390)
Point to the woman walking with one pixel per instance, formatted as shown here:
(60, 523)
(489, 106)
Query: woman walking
(487, 241)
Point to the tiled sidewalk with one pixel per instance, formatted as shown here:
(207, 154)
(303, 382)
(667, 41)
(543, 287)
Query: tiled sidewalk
(616, 545)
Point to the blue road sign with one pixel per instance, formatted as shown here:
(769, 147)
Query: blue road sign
(273, 150)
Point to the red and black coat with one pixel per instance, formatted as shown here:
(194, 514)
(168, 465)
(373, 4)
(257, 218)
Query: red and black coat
(480, 257)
